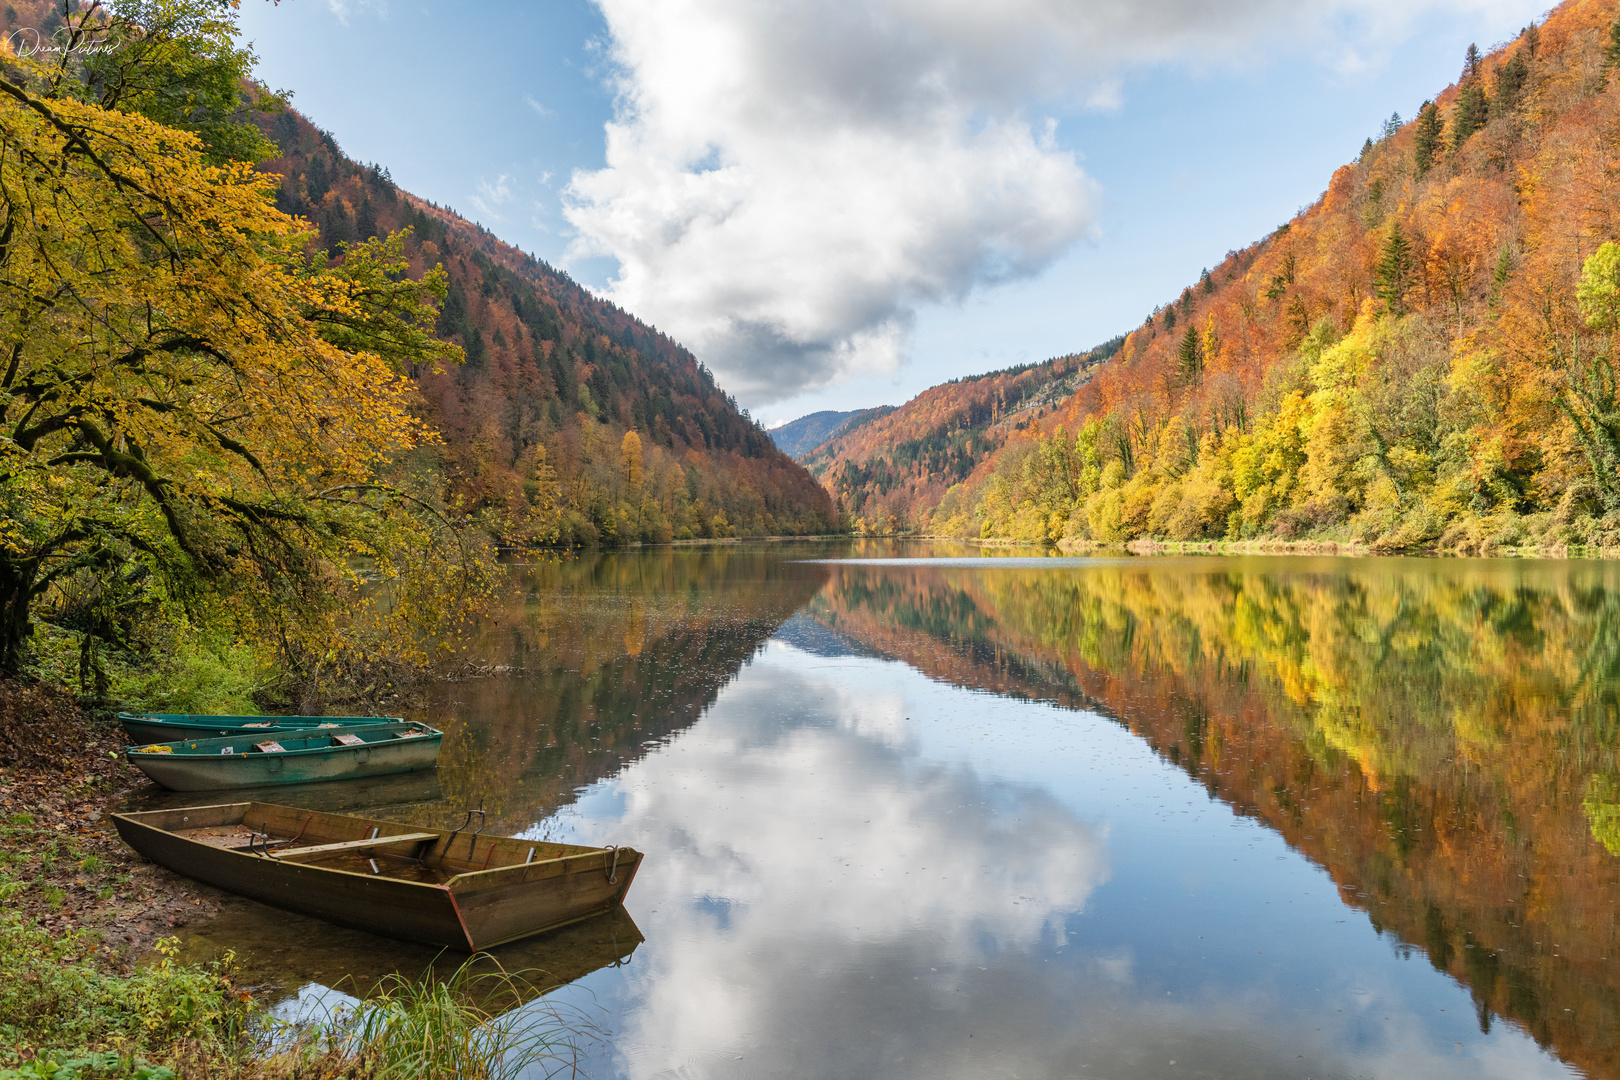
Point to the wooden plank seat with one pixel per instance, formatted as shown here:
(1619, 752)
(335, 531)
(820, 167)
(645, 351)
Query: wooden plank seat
(356, 845)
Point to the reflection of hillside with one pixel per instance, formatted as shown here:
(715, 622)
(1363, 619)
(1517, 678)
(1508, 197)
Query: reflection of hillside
(1441, 738)
(598, 658)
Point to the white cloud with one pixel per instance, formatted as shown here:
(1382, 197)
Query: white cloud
(491, 196)
(783, 849)
(787, 182)
(539, 109)
(342, 9)
(1106, 96)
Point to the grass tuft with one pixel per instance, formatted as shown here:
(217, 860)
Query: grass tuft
(65, 1019)
(476, 1024)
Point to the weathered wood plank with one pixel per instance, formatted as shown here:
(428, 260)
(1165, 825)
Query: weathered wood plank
(356, 845)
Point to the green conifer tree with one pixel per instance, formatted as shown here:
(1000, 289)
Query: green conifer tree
(1500, 276)
(1206, 281)
(1473, 109)
(1190, 356)
(1170, 318)
(1428, 137)
(1392, 125)
(1510, 80)
(1393, 275)
(1611, 54)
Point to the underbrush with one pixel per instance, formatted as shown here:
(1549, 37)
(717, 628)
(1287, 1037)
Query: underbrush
(53, 994)
(182, 670)
(64, 1017)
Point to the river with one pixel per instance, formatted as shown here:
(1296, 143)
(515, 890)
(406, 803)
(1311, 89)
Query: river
(910, 811)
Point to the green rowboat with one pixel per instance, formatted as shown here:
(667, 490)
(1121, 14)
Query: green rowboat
(291, 757)
(454, 889)
(168, 727)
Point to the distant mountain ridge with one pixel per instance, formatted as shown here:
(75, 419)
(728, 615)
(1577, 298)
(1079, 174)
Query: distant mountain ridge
(798, 437)
(891, 469)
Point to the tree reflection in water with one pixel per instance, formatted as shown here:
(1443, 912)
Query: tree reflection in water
(857, 868)
(1440, 736)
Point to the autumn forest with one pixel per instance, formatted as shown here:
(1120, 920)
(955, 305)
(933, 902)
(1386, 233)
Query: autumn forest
(249, 381)
(1423, 359)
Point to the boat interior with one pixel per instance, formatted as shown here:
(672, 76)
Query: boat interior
(232, 720)
(276, 742)
(353, 844)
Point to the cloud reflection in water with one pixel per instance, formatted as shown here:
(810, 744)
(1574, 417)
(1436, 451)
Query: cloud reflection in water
(827, 894)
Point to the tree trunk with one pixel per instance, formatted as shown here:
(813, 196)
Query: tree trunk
(16, 585)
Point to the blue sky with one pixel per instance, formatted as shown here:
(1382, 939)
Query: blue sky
(837, 205)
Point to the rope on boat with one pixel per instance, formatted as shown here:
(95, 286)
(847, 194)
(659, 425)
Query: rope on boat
(613, 871)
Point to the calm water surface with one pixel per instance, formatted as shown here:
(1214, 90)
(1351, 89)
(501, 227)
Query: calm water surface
(909, 815)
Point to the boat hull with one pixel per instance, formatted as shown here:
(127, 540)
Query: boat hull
(472, 911)
(198, 765)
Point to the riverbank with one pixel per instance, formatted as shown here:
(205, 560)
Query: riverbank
(62, 866)
(1273, 546)
(89, 985)
(82, 911)
(85, 990)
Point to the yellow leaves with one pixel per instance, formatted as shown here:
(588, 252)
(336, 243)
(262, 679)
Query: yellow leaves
(1602, 806)
(1599, 290)
(1411, 465)
(195, 392)
(1341, 366)
(630, 458)
(1211, 345)
(1275, 452)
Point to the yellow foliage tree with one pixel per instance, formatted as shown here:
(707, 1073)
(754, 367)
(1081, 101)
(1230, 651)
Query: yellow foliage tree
(193, 409)
(630, 458)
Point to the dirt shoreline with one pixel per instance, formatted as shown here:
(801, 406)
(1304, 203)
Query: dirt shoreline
(61, 775)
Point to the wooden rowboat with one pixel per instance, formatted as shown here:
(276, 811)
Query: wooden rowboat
(293, 757)
(454, 889)
(170, 727)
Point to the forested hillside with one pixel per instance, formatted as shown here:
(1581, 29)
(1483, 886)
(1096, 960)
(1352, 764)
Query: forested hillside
(1422, 358)
(570, 421)
(889, 468)
(224, 431)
